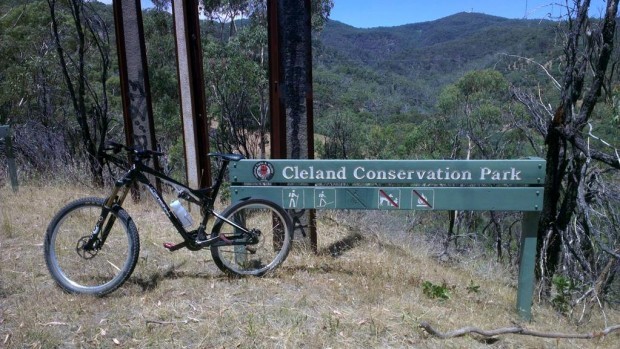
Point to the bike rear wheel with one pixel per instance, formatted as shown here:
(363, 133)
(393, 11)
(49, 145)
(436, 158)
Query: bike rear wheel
(101, 270)
(274, 231)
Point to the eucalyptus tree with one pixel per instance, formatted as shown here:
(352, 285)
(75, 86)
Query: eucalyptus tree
(578, 233)
(82, 44)
(236, 59)
(32, 95)
(477, 117)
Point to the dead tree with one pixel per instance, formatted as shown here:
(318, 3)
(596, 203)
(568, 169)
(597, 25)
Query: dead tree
(576, 160)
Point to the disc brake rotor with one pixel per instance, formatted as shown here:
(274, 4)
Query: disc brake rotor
(86, 254)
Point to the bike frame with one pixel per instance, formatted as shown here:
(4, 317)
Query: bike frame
(204, 198)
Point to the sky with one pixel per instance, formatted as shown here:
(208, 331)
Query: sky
(388, 13)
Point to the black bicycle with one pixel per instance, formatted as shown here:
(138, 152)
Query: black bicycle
(92, 244)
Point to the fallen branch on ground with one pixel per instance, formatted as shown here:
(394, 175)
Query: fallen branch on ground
(516, 330)
(157, 322)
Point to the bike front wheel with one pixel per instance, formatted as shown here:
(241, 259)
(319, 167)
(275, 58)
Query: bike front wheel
(96, 271)
(273, 231)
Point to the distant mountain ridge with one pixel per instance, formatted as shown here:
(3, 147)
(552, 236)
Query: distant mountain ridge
(473, 28)
(432, 54)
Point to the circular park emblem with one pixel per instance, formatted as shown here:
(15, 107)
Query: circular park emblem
(263, 171)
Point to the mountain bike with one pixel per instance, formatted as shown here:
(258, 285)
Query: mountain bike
(92, 244)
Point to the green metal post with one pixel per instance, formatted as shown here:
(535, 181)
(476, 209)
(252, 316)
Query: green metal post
(5, 133)
(527, 264)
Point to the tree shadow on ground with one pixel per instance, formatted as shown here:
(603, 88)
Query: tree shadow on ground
(150, 282)
(338, 248)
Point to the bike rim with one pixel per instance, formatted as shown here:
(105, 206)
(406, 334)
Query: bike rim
(271, 248)
(100, 270)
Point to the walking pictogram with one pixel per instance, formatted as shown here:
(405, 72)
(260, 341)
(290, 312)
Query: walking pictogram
(293, 199)
(325, 198)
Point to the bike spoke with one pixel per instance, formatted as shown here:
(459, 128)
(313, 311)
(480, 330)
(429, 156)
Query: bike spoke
(96, 270)
(267, 239)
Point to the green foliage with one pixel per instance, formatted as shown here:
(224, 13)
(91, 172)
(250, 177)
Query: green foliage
(482, 85)
(472, 287)
(398, 141)
(236, 78)
(160, 46)
(176, 160)
(342, 132)
(480, 115)
(564, 286)
(423, 58)
(25, 48)
(436, 291)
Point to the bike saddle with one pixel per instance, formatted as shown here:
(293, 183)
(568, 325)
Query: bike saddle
(228, 157)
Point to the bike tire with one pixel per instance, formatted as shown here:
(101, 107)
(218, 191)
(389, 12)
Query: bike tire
(97, 273)
(274, 242)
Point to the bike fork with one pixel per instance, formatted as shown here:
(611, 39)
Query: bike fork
(98, 235)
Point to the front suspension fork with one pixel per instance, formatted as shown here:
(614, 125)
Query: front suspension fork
(98, 236)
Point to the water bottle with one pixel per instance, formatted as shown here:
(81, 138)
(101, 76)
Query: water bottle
(184, 217)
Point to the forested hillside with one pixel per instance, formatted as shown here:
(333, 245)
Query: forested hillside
(468, 86)
(389, 83)
(418, 60)
(402, 83)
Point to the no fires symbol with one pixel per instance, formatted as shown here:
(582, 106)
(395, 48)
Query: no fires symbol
(422, 199)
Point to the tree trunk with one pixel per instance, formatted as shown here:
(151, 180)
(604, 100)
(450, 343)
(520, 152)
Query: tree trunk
(585, 48)
(77, 88)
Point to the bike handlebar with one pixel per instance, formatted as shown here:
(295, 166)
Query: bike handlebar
(116, 148)
(140, 154)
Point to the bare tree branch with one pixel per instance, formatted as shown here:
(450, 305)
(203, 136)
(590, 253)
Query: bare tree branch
(515, 330)
(606, 49)
(553, 80)
(584, 147)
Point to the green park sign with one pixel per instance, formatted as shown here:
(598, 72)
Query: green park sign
(494, 185)
(501, 185)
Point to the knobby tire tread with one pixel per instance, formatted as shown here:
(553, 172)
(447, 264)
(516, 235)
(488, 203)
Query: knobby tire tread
(285, 249)
(122, 217)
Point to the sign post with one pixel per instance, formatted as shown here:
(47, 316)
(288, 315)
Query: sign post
(192, 92)
(135, 88)
(5, 135)
(290, 81)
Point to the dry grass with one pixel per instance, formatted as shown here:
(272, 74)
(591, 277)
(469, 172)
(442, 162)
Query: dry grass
(362, 291)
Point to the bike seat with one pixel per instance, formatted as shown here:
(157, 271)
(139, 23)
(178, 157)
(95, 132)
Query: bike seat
(227, 157)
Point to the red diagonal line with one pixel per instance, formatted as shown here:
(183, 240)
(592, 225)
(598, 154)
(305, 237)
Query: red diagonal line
(422, 198)
(388, 197)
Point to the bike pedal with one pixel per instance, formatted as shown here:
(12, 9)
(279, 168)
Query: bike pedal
(172, 247)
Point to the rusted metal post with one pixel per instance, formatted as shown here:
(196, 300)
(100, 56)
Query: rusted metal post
(290, 56)
(135, 88)
(278, 120)
(192, 93)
